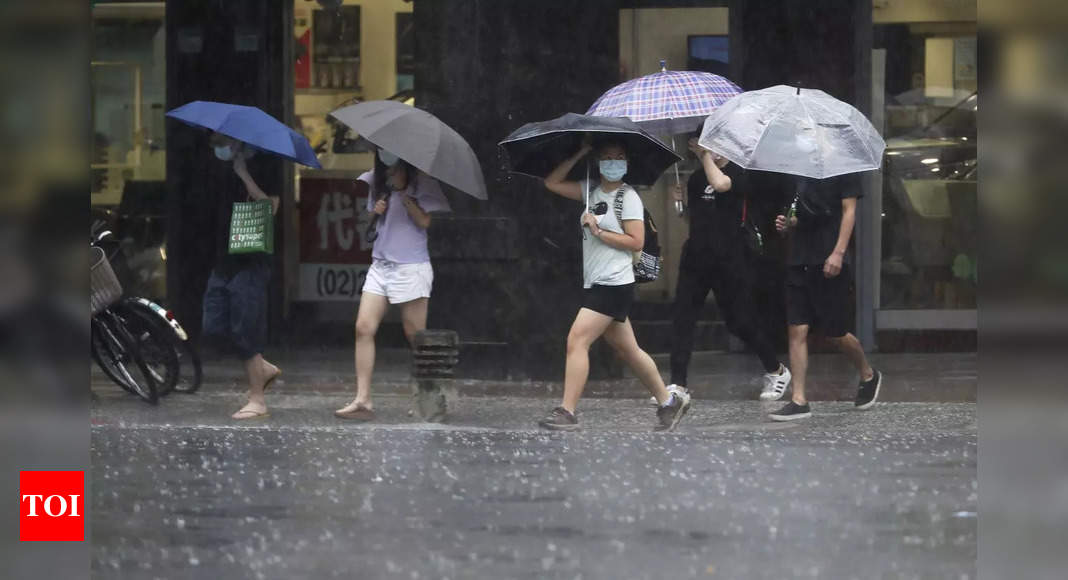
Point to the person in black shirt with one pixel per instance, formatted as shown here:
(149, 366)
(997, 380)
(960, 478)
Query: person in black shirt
(820, 221)
(717, 258)
(235, 300)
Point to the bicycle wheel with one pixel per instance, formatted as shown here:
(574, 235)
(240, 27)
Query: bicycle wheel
(155, 343)
(115, 351)
(189, 367)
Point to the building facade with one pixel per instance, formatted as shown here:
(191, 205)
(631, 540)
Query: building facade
(508, 269)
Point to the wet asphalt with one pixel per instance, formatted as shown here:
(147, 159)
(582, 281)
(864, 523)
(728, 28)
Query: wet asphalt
(182, 491)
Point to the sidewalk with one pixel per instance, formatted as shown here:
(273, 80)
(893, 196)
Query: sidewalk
(909, 377)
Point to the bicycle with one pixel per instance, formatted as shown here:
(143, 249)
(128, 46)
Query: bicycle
(168, 349)
(112, 345)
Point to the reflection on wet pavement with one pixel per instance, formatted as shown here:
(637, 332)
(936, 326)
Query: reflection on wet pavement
(180, 491)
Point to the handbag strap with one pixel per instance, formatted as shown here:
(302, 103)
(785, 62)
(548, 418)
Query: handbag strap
(745, 208)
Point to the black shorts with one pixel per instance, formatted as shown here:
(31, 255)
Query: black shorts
(611, 301)
(820, 302)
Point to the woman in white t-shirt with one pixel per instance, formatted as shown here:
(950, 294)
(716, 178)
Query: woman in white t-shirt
(403, 199)
(608, 284)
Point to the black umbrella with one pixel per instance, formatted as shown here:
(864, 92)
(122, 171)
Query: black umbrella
(536, 149)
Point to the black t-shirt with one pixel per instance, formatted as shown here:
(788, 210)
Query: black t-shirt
(819, 217)
(716, 217)
(227, 264)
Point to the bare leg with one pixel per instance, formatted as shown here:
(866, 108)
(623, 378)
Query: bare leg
(587, 328)
(413, 317)
(258, 373)
(798, 336)
(620, 335)
(373, 309)
(850, 346)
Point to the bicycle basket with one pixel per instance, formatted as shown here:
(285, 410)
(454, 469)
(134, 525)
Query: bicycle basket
(104, 287)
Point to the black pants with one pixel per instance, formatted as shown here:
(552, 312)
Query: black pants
(731, 276)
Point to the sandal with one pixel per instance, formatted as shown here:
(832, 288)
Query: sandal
(247, 412)
(356, 413)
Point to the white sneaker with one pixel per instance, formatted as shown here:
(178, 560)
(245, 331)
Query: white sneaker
(672, 388)
(775, 385)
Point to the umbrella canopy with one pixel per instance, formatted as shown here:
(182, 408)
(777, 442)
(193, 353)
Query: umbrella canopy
(796, 131)
(536, 149)
(667, 102)
(419, 138)
(248, 125)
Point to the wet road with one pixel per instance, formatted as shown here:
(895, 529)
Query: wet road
(180, 491)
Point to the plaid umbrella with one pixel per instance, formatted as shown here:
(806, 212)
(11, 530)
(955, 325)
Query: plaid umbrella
(667, 102)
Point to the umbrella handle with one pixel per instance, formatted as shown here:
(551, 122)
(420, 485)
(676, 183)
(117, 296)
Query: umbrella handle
(679, 207)
(676, 164)
(586, 185)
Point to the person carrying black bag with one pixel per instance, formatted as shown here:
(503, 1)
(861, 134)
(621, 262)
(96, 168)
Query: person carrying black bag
(718, 257)
(820, 225)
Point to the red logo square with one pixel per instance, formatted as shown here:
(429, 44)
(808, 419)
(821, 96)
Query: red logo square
(52, 506)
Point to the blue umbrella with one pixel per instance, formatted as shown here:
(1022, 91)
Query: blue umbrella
(249, 125)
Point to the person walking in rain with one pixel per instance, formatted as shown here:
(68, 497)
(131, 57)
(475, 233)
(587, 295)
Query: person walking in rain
(235, 300)
(820, 223)
(403, 199)
(608, 285)
(717, 257)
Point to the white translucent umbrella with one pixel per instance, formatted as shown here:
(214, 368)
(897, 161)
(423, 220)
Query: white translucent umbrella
(796, 131)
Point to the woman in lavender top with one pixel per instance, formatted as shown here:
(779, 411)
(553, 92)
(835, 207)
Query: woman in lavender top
(402, 199)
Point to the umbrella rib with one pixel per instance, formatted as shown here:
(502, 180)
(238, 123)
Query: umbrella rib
(809, 113)
(867, 144)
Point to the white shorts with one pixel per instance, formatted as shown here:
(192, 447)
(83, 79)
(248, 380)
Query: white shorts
(399, 282)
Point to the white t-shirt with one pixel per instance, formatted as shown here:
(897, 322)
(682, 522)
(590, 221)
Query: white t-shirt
(602, 264)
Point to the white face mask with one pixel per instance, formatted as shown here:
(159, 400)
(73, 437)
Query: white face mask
(224, 152)
(613, 169)
(387, 158)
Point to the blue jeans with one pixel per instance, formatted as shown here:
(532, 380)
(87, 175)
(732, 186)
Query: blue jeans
(235, 310)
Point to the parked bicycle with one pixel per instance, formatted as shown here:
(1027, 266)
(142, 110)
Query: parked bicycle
(112, 345)
(161, 341)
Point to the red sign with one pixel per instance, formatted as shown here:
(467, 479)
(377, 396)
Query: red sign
(52, 506)
(333, 221)
(302, 48)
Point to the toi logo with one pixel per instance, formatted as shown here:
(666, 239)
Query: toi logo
(52, 506)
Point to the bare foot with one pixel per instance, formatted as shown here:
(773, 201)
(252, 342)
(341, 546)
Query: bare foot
(260, 375)
(359, 410)
(356, 404)
(252, 410)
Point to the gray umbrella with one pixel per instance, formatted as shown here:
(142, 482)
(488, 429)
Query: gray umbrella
(419, 138)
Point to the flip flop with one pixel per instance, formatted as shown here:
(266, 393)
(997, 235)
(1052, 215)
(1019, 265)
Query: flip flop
(358, 413)
(245, 414)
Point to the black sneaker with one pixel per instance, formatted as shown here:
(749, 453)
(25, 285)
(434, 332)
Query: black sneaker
(868, 391)
(559, 419)
(673, 412)
(791, 412)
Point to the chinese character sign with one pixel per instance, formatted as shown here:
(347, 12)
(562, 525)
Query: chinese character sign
(334, 255)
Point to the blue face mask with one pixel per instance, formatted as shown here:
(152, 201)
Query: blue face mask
(613, 169)
(224, 152)
(388, 158)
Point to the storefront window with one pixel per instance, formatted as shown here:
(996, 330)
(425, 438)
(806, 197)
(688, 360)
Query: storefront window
(929, 215)
(128, 153)
(128, 92)
(346, 53)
